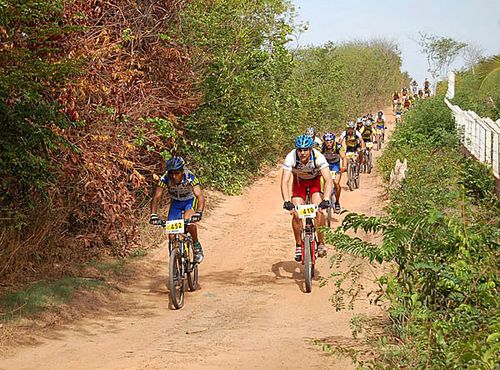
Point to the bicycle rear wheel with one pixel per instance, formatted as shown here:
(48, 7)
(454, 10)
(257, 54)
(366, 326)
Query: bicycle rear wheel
(308, 264)
(379, 141)
(192, 269)
(176, 279)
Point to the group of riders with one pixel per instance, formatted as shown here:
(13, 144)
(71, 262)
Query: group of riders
(403, 100)
(312, 159)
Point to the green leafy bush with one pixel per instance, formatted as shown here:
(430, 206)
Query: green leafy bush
(442, 234)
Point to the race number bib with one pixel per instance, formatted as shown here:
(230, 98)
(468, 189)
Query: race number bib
(306, 210)
(369, 145)
(175, 227)
(350, 154)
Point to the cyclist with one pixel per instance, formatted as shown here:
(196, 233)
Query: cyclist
(367, 131)
(380, 123)
(414, 87)
(353, 140)
(311, 131)
(359, 123)
(306, 165)
(406, 103)
(399, 111)
(334, 154)
(186, 196)
(427, 88)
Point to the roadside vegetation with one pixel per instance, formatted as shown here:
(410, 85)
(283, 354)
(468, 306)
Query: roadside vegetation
(116, 88)
(441, 237)
(478, 88)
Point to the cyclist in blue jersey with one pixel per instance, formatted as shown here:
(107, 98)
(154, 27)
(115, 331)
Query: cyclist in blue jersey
(334, 154)
(187, 199)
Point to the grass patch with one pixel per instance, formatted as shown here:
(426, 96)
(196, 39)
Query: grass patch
(43, 296)
(115, 266)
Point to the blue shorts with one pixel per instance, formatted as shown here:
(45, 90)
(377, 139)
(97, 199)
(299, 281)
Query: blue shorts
(335, 167)
(179, 206)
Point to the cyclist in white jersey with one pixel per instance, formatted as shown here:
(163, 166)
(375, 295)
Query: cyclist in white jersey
(306, 165)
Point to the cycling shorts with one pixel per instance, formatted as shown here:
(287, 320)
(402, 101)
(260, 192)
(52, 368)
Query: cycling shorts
(299, 187)
(179, 206)
(380, 128)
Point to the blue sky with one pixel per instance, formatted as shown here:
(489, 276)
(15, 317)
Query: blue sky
(472, 21)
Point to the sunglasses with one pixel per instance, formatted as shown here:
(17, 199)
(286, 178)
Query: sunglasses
(300, 150)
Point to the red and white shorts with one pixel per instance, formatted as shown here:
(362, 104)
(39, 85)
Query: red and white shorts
(299, 187)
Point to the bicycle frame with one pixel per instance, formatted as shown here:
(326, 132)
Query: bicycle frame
(309, 230)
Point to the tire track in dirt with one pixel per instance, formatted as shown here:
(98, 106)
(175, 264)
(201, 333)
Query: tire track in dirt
(250, 311)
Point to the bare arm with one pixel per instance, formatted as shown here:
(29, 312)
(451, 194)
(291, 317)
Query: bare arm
(344, 158)
(156, 199)
(201, 198)
(325, 172)
(285, 185)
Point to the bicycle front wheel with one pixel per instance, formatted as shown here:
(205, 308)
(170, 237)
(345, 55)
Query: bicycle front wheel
(308, 264)
(176, 279)
(356, 176)
(369, 161)
(350, 176)
(192, 269)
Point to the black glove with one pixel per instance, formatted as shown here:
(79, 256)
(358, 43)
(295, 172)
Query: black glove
(196, 217)
(288, 205)
(154, 219)
(325, 203)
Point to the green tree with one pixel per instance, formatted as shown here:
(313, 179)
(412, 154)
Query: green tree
(441, 52)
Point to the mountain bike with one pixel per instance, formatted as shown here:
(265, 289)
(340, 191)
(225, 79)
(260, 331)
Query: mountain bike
(182, 266)
(308, 212)
(379, 134)
(352, 170)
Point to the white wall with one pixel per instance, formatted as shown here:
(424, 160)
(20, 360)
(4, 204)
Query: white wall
(481, 136)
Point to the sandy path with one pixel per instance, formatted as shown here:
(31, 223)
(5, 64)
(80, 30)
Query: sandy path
(250, 312)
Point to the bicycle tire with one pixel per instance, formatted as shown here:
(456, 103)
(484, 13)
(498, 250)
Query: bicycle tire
(192, 269)
(379, 141)
(329, 216)
(369, 162)
(350, 177)
(357, 177)
(175, 280)
(308, 265)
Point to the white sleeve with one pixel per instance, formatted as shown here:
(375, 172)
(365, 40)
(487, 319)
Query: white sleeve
(289, 161)
(320, 159)
(342, 135)
(358, 134)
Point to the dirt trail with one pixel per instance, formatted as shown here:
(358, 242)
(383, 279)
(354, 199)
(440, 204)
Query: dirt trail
(250, 312)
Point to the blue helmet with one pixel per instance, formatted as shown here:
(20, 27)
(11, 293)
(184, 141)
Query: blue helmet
(304, 142)
(329, 136)
(175, 163)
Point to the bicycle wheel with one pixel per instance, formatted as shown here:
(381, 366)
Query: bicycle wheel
(329, 215)
(369, 163)
(308, 265)
(356, 176)
(379, 141)
(176, 279)
(350, 176)
(192, 269)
